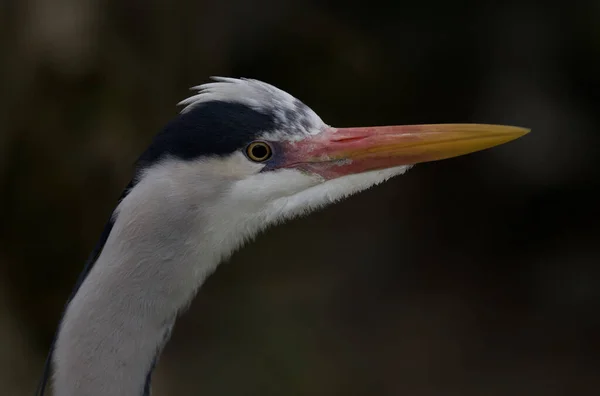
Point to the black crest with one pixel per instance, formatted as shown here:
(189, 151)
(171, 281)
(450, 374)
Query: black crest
(209, 129)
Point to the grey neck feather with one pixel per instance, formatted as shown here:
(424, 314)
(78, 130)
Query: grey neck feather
(150, 268)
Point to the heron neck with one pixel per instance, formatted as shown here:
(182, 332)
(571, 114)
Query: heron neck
(113, 330)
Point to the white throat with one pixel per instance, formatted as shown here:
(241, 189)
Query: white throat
(170, 232)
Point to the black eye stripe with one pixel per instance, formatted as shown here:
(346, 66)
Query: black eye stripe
(211, 128)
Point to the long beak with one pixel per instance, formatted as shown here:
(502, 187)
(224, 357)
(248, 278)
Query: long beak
(337, 152)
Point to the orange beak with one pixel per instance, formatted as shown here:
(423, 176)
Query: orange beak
(338, 152)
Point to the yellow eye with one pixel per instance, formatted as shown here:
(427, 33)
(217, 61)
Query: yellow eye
(259, 151)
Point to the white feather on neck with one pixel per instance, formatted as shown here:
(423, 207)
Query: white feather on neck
(171, 231)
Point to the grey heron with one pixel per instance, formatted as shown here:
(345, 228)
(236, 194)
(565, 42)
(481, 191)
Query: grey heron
(241, 156)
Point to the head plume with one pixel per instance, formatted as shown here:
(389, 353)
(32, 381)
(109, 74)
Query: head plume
(292, 117)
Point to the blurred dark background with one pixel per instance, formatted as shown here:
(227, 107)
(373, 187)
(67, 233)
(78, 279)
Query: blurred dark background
(478, 275)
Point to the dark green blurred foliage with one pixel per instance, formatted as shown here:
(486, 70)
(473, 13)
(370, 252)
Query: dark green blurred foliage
(476, 275)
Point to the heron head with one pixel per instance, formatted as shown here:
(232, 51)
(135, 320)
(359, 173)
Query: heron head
(265, 152)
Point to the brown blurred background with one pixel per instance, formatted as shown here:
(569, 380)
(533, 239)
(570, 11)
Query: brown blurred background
(473, 276)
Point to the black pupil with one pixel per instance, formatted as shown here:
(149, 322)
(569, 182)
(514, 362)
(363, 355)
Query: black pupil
(260, 151)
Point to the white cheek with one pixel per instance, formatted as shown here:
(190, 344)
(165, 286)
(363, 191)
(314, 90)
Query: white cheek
(263, 187)
(235, 166)
(287, 193)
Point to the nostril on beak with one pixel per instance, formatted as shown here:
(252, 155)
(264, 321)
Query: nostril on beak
(348, 139)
